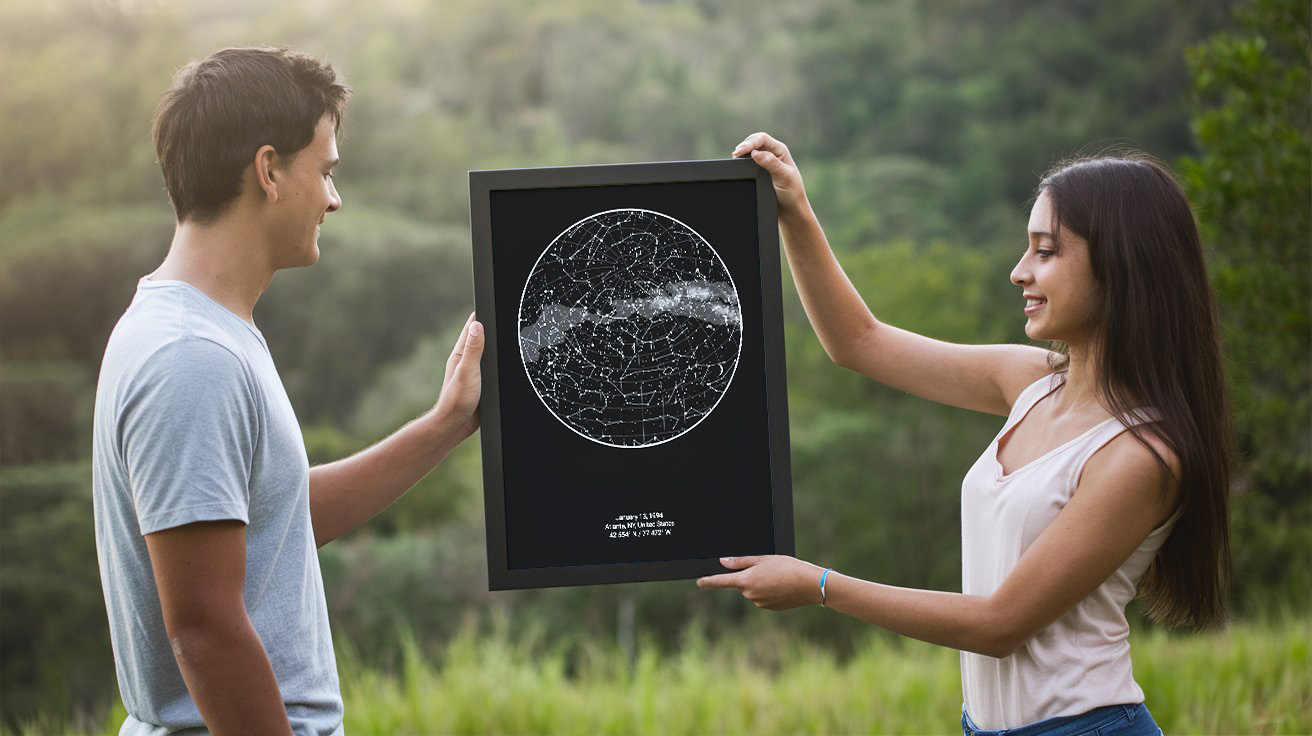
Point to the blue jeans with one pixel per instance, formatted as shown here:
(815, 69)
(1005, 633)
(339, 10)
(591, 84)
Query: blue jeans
(1109, 720)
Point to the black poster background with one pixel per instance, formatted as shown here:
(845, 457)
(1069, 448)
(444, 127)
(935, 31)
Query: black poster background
(561, 489)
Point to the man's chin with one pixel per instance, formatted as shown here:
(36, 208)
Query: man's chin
(311, 257)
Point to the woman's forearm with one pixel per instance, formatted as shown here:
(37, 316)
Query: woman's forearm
(956, 620)
(837, 312)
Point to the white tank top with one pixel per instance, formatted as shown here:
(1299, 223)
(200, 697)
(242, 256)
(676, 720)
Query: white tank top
(1082, 660)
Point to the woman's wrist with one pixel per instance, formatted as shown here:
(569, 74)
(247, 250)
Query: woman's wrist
(797, 212)
(824, 579)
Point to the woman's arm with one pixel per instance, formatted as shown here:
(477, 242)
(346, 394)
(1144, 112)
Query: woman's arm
(980, 377)
(1123, 495)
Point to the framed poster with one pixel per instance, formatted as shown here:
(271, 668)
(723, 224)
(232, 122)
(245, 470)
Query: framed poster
(634, 411)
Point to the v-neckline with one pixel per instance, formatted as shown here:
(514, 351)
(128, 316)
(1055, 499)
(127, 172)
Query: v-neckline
(1000, 473)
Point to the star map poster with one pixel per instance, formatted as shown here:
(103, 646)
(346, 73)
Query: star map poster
(634, 416)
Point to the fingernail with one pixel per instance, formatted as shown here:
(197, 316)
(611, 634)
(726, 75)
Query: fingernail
(726, 560)
(475, 329)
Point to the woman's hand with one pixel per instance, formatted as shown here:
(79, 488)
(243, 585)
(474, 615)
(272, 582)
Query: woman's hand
(773, 156)
(775, 582)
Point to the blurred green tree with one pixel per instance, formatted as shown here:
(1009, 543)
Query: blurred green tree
(1252, 185)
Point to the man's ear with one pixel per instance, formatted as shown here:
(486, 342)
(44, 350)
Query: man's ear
(266, 162)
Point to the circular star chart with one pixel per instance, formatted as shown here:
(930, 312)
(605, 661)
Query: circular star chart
(629, 328)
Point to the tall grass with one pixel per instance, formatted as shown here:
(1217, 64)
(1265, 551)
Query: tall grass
(1246, 679)
(1249, 678)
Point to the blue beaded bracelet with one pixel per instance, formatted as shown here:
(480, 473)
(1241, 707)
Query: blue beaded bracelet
(824, 576)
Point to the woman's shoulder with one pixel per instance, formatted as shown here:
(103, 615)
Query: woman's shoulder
(1139, 461)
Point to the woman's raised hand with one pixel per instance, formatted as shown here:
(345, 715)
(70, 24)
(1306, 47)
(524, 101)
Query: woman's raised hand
(773, 156)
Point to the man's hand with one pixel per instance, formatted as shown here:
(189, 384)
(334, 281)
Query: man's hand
(775, 582)
(346, 493)
(200, 572)
(462, 385)
(773, 156)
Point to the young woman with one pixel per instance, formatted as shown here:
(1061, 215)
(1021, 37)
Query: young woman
(1108, 479)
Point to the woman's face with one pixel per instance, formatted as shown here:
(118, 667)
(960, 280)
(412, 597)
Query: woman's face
(1061, 295)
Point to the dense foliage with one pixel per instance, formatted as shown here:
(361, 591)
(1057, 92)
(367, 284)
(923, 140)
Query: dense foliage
(1252, 185)
(920, 128)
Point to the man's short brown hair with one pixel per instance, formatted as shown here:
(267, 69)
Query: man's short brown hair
(221, 109)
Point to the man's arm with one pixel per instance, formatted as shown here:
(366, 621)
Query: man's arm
(200, 570)
(346, 493)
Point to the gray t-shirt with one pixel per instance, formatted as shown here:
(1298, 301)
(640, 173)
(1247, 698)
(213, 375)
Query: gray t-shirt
(193, 424)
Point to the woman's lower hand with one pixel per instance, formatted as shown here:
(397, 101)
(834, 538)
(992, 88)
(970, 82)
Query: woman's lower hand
(773, 156)
(774, 582)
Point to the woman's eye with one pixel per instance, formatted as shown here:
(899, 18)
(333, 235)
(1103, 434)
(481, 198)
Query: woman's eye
(1044, 254)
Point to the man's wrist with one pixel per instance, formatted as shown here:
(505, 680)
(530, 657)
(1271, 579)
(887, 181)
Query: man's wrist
(444, 427)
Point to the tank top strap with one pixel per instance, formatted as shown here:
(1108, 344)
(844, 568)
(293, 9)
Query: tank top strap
(1027, 398)
(1103, 433)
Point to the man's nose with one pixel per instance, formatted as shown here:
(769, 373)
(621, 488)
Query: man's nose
(334, 199)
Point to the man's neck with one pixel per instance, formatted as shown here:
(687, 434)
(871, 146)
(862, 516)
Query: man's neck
(227, 262)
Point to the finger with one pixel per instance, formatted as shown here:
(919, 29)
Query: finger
(769, 162)
(740, 563)
(757, 140)
(723, 580)
(459, 348)
(473, 350)
(761, 142)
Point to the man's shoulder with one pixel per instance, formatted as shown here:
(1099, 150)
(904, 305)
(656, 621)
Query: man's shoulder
(168, 328)
(173, 364)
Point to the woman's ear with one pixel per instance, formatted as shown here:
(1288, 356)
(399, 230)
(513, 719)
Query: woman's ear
(266, 161)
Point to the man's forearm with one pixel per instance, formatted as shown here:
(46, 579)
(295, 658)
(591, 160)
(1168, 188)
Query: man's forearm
(346, 493)
(228, 674)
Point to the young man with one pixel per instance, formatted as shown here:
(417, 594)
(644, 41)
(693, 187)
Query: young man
(207, 512)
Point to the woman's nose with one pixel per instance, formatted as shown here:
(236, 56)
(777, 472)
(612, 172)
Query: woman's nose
(1020, 274)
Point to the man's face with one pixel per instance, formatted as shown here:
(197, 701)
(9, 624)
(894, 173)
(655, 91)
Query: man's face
(306, 194)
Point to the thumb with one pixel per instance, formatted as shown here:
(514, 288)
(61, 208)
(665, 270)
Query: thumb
(769, 162)
(739, 563)
(473, 351)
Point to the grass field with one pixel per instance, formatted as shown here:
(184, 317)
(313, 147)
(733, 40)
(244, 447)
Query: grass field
(1245, 679)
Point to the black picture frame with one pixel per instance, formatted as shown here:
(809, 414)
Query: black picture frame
(733, 196)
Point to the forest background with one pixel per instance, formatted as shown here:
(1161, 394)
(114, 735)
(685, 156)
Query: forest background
(921, 130)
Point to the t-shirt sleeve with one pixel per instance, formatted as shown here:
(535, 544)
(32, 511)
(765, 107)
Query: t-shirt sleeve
(188, 430)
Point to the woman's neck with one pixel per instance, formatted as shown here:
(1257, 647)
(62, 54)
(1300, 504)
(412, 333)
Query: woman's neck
(1081, 391)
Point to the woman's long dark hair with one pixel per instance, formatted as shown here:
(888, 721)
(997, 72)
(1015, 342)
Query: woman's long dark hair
(1159, 349)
